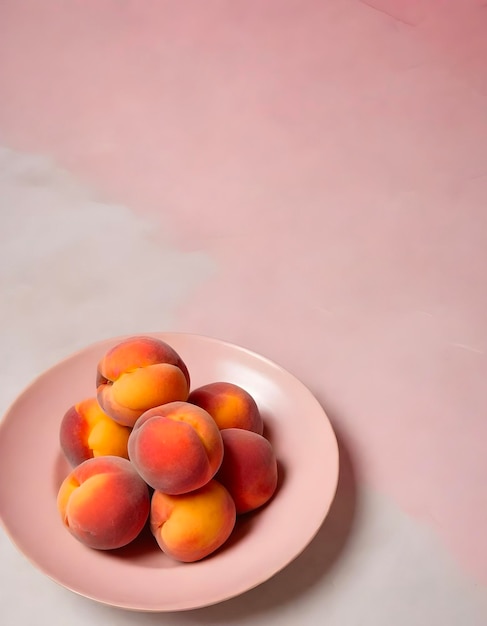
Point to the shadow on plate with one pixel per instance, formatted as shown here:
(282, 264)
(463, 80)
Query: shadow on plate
(61, 469)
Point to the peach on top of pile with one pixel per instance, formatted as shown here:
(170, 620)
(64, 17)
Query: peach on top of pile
(139, 374)
(148, 450)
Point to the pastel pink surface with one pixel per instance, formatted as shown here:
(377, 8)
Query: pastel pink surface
(141, 577)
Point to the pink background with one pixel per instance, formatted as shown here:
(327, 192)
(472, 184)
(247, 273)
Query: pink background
(307, 179)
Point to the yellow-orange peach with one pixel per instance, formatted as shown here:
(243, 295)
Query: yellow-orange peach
(138, 374)
(176, 447)
(230, 405)
(87, 431)
(104, 503)
(191, 526)
(249, 468)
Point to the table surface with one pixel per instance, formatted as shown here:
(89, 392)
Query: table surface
(305, 179)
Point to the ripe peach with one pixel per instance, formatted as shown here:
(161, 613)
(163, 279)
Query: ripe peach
(104, 503)
(138, 374)
(176, 447)
(249, 468)
(191, 526)
(87, 431)
(229, 405)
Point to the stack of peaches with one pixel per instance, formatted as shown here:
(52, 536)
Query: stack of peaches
(146, 449)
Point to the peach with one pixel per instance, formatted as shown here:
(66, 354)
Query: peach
(176, 447)
(229, 405)
(87, 431)
(138, 374)
(104, 503)
(191, 526)
(249, 468)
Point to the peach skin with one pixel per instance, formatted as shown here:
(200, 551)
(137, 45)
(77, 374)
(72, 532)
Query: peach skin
(176, 447)
(229, 405)
(249, 468)
(191, 526)
(138, 374)
(104, 503)
(87, 431)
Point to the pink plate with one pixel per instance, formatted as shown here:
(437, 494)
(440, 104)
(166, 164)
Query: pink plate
(140, 576)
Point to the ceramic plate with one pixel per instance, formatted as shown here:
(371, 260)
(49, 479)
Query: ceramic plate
(140, 576)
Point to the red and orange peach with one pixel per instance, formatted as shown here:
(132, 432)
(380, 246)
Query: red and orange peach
(104, 503)
(176, 447)
(138, 374)
(87, 431)
(230, 405)
(191, 526)
(249, 468)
